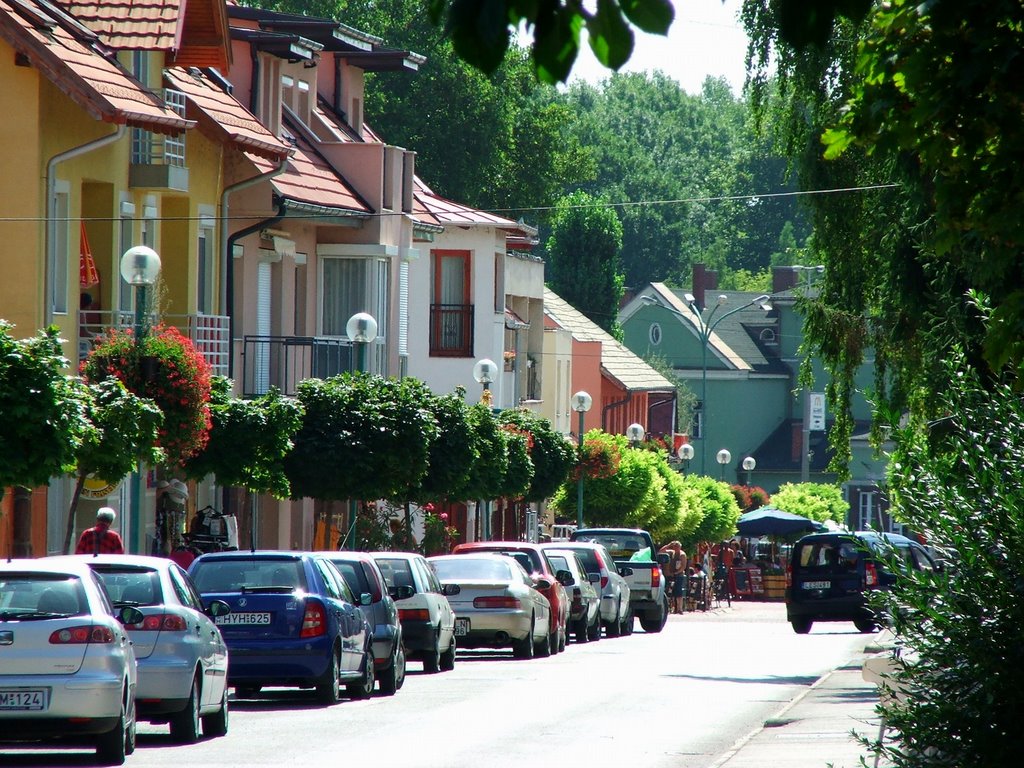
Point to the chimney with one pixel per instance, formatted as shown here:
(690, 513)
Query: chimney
(783, 278)
(698, 285)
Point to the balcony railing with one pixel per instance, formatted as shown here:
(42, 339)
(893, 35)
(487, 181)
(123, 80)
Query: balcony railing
(284, 361)
(451, 330)
(210, 334)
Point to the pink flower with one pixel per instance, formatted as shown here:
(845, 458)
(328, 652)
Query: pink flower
(443, 516)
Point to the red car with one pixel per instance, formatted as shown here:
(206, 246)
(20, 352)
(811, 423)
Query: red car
(535, 562)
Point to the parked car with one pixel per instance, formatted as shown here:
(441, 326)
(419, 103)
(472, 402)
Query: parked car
(364, 578)
(584, 599)
(293, 622)
(67, 666)
(499, 605)
(830, 575)
(181, 654)
(428, 621)
(616, 616)
(536, 563)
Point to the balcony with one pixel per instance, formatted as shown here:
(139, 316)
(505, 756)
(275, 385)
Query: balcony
(284, 361)
(209, 333)
(451, 330)
(158, 161)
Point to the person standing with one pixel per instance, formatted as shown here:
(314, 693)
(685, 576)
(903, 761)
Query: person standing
(100, 540)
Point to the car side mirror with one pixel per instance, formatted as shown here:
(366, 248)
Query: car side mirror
(594, 578)
(449, 590)
(565, 578)
(541, 583)
(663, 558)
(625, 570)
(217, 608)
(403, 592)
(365, 598)
(129, 615)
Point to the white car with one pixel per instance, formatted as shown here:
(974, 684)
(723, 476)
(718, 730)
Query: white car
(498, 605)
(428, 621)
(615, 612)
(182, 657)
(67, 668)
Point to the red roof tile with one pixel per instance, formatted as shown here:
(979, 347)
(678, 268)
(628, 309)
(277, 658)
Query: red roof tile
(221, 113)
(95, 83)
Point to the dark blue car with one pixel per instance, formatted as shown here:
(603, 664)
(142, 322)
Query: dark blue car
(293, 623)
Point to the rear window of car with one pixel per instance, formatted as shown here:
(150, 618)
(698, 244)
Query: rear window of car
(129, 585)
(472, 568)
(559, 562)
(397, 572)
(620, 546)
(828, 556)
(353, 574)
(234, 574)
(24, 595)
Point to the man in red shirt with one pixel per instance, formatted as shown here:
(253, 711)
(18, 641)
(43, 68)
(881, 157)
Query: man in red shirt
(100, 540)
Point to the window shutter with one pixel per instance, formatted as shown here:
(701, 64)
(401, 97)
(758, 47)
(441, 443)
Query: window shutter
(403, 309)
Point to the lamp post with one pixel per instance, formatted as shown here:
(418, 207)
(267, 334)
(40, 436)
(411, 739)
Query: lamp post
(723, 457)
(805, 426)
(748, 464)
(635, 433)
(581, 403)
(686, 454)
(362, 330)
(140, 267)
(705, 328)
(485, 372)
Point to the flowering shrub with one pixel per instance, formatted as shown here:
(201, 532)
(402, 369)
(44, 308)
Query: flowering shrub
(166, 368)
(437, 533)
(599, 457)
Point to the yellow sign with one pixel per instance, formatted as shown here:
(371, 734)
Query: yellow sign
(97, 488)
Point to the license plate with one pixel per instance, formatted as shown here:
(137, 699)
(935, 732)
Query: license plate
(243, 619)
(23, 699)
(461, 627)
(817, 584)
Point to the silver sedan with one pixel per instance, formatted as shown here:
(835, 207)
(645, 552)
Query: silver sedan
(182, 657)
(67, 668)
(498, 604)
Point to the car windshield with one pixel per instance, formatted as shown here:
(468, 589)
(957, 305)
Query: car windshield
(462, 567)
(397, 572)
(131, 586)
(354, 576)
(249, 575)
(620, 546)
(40, 596)
(559, 562)
(829, 555)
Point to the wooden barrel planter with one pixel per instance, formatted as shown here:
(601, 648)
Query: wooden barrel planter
(774, 586)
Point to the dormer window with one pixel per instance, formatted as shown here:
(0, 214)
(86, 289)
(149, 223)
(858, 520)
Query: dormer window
(768, 337)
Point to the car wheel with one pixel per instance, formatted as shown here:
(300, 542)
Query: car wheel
(216, 724)
(582, 631)
(865, 625)
(131, 734)
(801, 626)
(432, 658)
(594, 632)
(185, 724)
(448, 657)
(626, 627)
(563, 637)
(655, 622)
(523, 649)
(546, 647)
(364, 688)
(388, 678)
(110, 746)
(328, 690)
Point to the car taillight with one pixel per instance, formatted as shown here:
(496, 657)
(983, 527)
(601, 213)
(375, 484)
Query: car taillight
(655, 577)
(413, 614)
(603, 567)
(789, 574)
(166, 622)
(870, 575)
(80, 635)
(314, 621)
(495, 602)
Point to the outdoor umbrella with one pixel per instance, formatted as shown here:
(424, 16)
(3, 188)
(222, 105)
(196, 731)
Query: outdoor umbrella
(769, 521)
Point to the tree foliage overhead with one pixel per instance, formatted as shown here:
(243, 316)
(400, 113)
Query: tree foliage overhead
(452, 454)
(816, 501)
(551, 454)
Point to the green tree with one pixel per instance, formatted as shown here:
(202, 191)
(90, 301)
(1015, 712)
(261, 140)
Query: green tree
(583, 257)
(452, 456)
(719, 508)
(551, 454)
(487, 479)
(816, 501)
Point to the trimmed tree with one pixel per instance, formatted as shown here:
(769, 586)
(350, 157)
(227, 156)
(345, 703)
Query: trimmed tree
(720, 510)
(817, 501)
(551, 453)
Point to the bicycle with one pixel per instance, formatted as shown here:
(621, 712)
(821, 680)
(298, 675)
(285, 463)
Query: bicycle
(720, 588)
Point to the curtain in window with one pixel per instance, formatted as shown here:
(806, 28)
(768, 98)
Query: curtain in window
(345, 293)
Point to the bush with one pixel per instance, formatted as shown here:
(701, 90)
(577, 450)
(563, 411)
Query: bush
(957, 482)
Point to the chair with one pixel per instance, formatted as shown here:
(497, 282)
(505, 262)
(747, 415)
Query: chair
(57, 601)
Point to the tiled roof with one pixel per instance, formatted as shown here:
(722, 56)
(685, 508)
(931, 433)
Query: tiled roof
(66, 55)
(631, 371)
(224, 116)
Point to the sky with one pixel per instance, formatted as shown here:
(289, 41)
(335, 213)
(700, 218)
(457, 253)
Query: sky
(706, 38)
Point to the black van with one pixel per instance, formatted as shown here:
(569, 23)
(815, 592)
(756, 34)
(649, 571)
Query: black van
(830, 573)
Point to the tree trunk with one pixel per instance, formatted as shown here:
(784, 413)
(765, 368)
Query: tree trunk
(21, 517)
(69, 530)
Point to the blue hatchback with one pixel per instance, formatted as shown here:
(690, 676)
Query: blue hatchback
(293, 623)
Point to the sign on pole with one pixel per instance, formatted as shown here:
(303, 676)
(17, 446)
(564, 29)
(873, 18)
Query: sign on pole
(817, 418)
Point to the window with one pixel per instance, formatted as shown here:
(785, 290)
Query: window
(654, 334)
(352, 285)
(60, 257)
(127, 237)
(142, 140)
(451, 314)
(697, 425)
(866, 511)
(204, 279)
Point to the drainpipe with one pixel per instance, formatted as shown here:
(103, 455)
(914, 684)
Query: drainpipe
(51, 194)
(616, 404)
(227, 242)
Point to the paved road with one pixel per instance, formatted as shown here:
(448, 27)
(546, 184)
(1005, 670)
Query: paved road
(680, 698)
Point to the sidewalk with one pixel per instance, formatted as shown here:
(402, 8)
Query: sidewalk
(814, 730)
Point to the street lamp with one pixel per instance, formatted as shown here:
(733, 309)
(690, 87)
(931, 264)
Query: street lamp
(748, 464)
(485, 372)
(581, 403)
(686, 454)
(140, 267)
(362, 330)
(705, 328)
(805, 426)
(723, 457)
(635, 433)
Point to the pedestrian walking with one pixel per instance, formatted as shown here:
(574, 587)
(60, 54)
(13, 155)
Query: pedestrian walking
(100, 540)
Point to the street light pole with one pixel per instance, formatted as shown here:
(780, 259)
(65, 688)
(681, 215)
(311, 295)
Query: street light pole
(485, 372)
(635, 433)
(581, 403)
(805, 426)
(748, 464)
(140, 267)
(686, 454)
(362, 330)
(723, 457)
